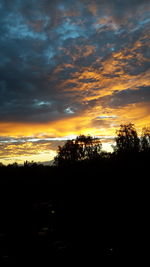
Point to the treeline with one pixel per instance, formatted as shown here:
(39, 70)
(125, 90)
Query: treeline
(87, 203)
(88, 148)
(83, 161)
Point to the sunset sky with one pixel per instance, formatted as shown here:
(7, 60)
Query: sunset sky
(70, 67)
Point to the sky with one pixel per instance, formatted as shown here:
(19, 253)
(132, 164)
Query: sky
(70, 67)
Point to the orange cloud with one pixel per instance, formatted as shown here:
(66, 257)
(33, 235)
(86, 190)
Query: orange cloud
(87, 84)
(109, 121)
(112, 77)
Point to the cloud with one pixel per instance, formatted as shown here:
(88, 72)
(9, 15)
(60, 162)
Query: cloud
(129, 96)
(107, 117)
(23, 148)
(69, 66)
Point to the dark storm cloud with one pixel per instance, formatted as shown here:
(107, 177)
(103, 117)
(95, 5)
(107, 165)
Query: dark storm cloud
(123, 98)
(43, 44)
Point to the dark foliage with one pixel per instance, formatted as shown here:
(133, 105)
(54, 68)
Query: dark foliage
(145, 140)
(82, 148)
(127, 140)
(90, 211)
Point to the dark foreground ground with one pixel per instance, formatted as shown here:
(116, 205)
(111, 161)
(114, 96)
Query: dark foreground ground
(91, 214)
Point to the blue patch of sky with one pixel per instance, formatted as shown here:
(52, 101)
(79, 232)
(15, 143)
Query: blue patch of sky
(69, 29)
(49, 53)
(69, 110)
(16, 28)
(140, 23)
(145, 21)
(107, 117)
(40, 103)
(61, 7)
(22, 31)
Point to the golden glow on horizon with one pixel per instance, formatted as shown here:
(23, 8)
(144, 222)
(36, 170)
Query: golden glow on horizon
(37, 157)
(135, 113)
(88, 84)
(27, 151)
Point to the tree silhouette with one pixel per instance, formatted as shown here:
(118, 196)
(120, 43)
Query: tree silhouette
(81, 148)
(145, 140)
(127, 139)
(90, 147)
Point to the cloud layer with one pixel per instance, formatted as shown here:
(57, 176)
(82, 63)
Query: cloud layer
(73, 66)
